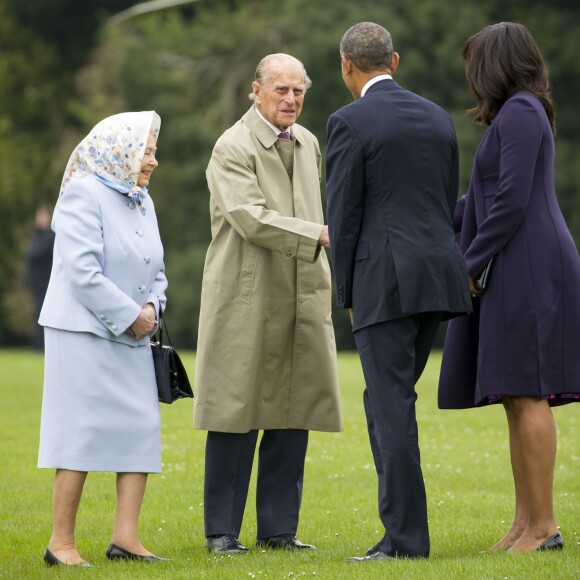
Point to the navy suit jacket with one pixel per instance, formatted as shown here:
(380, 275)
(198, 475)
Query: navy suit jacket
(392, 179)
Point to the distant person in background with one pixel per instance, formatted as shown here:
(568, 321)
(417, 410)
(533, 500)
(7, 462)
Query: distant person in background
(38, 264)
(100, 409)
(521, 346)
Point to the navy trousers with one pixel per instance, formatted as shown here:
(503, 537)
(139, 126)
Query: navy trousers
(228, 467)
(393, 356)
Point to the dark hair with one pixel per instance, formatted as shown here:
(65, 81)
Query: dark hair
(500, 60)
(368, 45)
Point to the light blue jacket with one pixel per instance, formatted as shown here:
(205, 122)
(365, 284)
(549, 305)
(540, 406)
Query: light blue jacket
(108, 262)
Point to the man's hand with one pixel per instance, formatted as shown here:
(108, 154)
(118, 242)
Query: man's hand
(145, 323)
(350, 314)
(324, 240)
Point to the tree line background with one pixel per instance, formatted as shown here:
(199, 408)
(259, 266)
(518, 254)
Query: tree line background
(66, 64)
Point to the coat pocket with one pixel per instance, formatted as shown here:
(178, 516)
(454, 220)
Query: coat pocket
(248, 272)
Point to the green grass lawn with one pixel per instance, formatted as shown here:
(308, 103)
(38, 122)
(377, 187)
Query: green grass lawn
(465, 464)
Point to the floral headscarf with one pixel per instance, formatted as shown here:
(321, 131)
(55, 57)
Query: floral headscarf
(113, 152)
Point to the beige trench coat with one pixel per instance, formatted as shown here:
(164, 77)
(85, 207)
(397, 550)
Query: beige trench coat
(266, 355)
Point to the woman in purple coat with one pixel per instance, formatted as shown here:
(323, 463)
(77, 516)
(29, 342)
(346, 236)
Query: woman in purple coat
(520, 346)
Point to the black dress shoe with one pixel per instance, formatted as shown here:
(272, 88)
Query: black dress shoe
(52, 560)
(114, 552)
(374, 557)
(375, 548)
(555, 542)
(226, 544)
(285, 542)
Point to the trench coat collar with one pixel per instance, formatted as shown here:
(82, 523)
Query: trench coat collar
(263, 133)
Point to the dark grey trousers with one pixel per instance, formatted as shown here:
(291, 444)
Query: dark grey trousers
(228, 467)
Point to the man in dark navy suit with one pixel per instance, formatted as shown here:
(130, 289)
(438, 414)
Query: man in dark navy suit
(392, 179)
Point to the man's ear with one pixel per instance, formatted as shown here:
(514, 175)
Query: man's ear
(346, 65)
(394, 62)
(256, 90)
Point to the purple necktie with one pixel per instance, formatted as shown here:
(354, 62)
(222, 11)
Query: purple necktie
(284, 135)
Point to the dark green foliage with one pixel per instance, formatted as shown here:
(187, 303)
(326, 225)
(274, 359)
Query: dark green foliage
(194, 65)
(42, 46)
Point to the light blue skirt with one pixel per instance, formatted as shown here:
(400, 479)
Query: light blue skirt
(99, 408)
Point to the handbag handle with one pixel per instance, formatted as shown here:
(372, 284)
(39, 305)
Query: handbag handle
(162, 323)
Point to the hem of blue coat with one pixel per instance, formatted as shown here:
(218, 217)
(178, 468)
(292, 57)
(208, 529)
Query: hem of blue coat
(122, 338)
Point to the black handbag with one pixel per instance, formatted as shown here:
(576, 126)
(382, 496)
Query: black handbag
(172, 380)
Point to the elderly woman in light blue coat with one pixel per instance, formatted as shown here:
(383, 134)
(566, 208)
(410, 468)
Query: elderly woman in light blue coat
(100, 410)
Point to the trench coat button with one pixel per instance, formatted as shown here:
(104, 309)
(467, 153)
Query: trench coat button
(102, 317)
(289, 253)
(132, 205)
(147, 259)
(114, 327)
(142, 289)
(139, 232)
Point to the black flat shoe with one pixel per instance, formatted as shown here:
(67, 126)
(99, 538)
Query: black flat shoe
(555, 542)
(114, 552)
(52, 560)
(283, 542)
(226, 544)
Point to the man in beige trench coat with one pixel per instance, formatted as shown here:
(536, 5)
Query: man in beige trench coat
(266, 356)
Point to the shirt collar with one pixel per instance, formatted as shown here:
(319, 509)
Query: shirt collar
(274, 128)
(374, 80)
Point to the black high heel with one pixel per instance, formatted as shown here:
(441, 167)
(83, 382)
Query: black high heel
(51, 560)
(114, 552)
(555, 542)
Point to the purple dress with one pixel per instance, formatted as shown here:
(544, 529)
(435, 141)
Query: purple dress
(523, 337)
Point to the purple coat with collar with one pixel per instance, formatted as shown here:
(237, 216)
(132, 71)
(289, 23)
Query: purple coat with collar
(523, 337)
